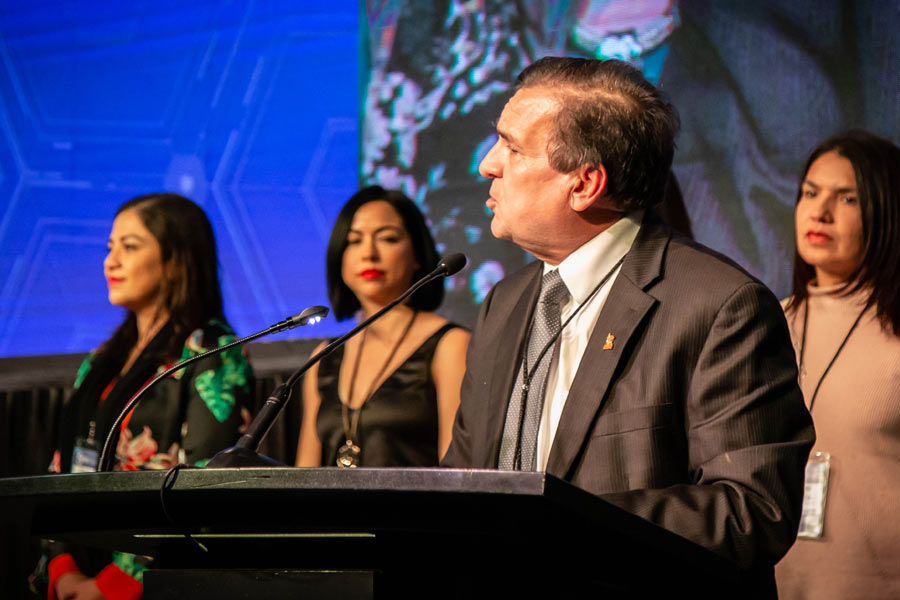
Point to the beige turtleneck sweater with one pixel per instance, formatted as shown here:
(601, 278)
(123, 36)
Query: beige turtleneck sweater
(857, 418)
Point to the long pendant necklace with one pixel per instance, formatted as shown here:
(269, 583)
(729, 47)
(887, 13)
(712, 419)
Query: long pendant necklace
(348, 455)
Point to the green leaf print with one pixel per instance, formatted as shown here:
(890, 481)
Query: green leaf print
(216, 387)
(83, 370)
(129, 565)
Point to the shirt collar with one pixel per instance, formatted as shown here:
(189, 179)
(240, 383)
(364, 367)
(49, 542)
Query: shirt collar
(582, 269)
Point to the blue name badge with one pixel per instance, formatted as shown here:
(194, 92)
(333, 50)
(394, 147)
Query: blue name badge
(84, 456)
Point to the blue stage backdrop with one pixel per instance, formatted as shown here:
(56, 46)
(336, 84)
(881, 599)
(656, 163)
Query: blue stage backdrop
(249, 108)
(270, 114)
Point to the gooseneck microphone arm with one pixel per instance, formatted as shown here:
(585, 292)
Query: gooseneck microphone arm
(244, 452)
(448, 266)
(313, 314)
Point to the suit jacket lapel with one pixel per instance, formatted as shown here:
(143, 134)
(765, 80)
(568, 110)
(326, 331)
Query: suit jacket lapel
(508, 342)
(625, 308)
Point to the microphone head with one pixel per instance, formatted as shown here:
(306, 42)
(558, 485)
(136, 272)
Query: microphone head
(452, 264)
(309, 316)
(313, 314)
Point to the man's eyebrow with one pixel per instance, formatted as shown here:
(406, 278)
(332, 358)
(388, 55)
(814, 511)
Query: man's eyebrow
(496, 125)
(506, 136)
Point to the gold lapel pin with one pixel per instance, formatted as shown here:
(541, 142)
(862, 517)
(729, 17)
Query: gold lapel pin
(610, 339)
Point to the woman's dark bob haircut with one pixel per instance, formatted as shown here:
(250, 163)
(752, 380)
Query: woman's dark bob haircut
(343, 302)
(190, 289)
(876, 165)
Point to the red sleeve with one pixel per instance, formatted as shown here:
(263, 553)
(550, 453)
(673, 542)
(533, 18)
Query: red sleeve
(116, 585)
(59, 566)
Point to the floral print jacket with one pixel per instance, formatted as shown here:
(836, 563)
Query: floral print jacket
(185, 418)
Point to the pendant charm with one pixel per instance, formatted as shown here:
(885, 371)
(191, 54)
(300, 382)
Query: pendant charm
(348, 455)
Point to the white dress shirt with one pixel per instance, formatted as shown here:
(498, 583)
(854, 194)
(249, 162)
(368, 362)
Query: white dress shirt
(581, 271)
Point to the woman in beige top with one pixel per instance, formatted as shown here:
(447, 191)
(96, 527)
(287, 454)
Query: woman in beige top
(844, 315)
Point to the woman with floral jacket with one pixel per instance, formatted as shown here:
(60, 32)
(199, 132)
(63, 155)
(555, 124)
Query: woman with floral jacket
(162, 268)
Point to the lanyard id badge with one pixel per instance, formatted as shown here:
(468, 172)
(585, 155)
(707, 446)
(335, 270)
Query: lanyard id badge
(815, 490)
(86, 453)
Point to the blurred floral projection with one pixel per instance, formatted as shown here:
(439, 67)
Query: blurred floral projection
(757, 86)
(439, 75)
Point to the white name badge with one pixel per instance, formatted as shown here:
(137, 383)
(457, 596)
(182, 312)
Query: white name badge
(815, 490)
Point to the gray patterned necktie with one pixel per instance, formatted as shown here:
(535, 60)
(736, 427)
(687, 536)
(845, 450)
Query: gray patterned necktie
(531, 386)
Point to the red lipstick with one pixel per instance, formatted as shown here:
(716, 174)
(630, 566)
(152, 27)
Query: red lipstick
(371, 274)
(817, 237)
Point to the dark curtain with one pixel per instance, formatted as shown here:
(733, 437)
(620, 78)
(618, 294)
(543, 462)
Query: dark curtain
(28, 433)
(28, 430)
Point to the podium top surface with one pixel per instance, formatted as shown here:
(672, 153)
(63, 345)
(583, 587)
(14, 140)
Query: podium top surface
(129, 511)
(322, 498)
(288, 478)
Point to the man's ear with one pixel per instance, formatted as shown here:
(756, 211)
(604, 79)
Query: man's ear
(590, 184)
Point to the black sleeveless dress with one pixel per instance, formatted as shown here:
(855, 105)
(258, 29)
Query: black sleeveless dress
(398, 425)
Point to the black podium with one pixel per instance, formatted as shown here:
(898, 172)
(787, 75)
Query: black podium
(285, 533)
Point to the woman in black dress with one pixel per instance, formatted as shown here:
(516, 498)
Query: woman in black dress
(389, 396)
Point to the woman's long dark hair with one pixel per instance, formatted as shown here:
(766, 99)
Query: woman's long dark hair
(876, 165)
(343, 302)
(190, 288)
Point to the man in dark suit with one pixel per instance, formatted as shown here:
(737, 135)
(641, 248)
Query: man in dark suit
(667, 383)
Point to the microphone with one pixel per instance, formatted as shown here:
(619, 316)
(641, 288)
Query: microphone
(452, 264)
(311, 315)
(243, 454)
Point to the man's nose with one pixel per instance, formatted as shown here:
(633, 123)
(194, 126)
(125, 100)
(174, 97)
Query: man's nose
(490, 165)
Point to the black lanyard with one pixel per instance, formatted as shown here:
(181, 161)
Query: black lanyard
(833, 358)
(526, 376)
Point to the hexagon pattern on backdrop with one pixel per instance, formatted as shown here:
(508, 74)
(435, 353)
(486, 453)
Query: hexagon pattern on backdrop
(248, 108)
